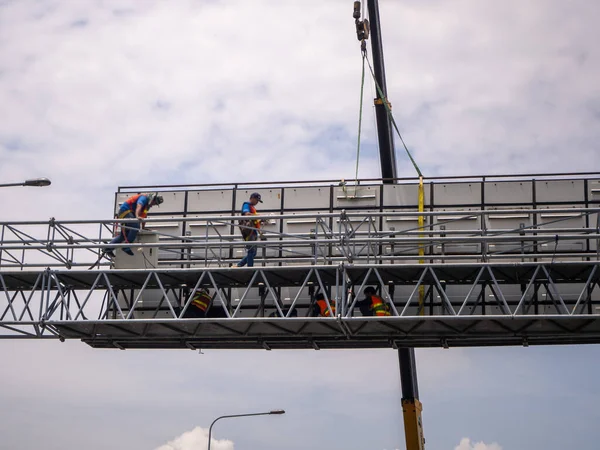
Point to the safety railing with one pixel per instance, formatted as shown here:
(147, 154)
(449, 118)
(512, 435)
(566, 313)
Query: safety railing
(372, 237)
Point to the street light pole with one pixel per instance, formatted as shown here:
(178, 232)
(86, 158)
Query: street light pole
(37, 182)
(275, 411)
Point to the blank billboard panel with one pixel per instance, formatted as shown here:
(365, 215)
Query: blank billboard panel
(554, 191)
(508, 192)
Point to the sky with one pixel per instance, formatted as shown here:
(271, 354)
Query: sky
(99, 94)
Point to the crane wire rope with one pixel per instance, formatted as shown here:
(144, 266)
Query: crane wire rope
(391, 116)
(421, 187)
(360, 114)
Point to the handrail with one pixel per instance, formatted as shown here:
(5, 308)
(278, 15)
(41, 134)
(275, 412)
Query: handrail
(355, 235)
(327, 182)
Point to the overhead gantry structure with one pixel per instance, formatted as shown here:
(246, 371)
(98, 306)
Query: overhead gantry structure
(526, 304)
(491, 260)
(515, 263)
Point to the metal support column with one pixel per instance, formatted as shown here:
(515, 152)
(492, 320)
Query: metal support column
(384, 126)
(411, 406)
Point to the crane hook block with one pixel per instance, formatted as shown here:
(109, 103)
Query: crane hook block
(356, 13)
(362, 29)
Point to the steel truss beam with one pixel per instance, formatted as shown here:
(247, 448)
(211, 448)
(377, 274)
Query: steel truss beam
(468, 304)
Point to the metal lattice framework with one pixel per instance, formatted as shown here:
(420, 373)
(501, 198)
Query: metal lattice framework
(355, 238)
(491, 275)
(469, 304)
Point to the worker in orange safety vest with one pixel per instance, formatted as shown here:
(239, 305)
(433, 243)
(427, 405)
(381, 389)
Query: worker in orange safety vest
(135, 207)
(320, 308)
(250, 229)
(373, 305)
(199, 304)
(202, 306)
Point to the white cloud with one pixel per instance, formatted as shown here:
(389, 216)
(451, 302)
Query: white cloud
(466, 444)
(97, 94)
(196, 439)
(119, 92)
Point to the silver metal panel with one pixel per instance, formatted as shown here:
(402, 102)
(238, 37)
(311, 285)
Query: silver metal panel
(520, 192)
(398, 226)
(167, 232)
(210, 200)
(509, 224)
(270, 230)
(445, 194)
(405, 194)
(365, 226)
(288, 294)
(493, 310)
(251, 305)
(461, 224)
(307, 197)
(252, 297)
(143, 257)
(213, 231)
(174, 202)
(594, 191)
(457, 294)
(198, 226)
(560, 191)
(553, 222)
(401, 295)
(302, 228)
(356, 196)
(594, 222)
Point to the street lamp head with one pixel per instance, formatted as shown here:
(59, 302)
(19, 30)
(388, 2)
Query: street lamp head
(38, 182)
(275, 411)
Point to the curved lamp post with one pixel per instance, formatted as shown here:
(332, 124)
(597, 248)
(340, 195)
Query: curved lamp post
(37, 182)
(275, 411)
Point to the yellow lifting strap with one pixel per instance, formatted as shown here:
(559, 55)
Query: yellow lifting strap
(421, 222)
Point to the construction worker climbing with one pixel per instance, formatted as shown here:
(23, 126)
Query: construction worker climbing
(202, 306)
(135, 207)
(200, 303)
(250, 229)
(321, 309)
(373, 305)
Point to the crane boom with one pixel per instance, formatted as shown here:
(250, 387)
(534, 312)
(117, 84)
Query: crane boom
(411, 406)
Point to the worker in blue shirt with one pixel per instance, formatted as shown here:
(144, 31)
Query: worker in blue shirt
(135, 207)
(250, 229)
